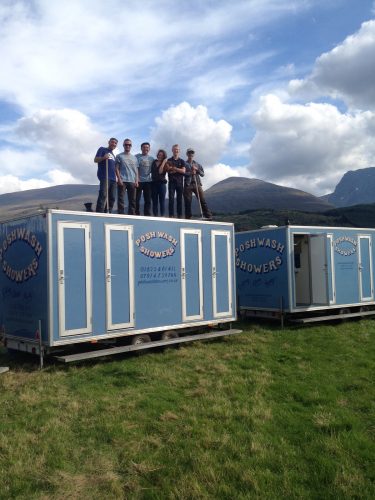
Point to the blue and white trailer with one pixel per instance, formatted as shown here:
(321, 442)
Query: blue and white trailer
(301, 269)
(69, 278)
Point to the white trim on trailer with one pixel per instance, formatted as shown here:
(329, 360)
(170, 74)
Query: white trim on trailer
(145, 217)
(332, 268)
(360, 268)
(61, 226)
(226, 234)
(49, 279)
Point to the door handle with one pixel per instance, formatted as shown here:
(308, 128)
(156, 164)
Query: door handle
(61, 277)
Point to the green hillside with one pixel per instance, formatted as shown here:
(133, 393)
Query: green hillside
(355, 216)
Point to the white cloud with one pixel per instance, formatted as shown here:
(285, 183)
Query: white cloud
(50, 50)
(68, 140)
(309, 146)
(346, 72)
(192, 127)
(23, 163)
(11, 183)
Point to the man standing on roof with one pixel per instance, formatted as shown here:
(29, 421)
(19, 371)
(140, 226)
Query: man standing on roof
(176, 173)
(103, 156)
(127, 173)
(193, 184)
(144, 179)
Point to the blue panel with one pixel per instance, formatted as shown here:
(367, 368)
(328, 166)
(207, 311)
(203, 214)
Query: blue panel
(23, 277)
(157, 269)
(222, 291)
(119, 242)
(346, 266)
(75, 278)
(365, 261)
(158, 275)
(192, 274)
(262, 268)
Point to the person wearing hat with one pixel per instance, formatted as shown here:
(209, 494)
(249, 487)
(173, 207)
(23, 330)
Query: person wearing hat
(194, 171)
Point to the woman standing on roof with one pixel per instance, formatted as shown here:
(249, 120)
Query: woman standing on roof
(159, 183)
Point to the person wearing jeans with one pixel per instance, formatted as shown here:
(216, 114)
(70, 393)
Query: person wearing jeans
(176, 173)
(144, 179)
(127, 173)
(103, 156)
(159, 183)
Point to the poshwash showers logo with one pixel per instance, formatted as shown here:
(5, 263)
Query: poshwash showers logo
(153, 253)
(20, 236)
(345, 245)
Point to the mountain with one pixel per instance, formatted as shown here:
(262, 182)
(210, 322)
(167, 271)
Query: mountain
(237, 194)
(354, 216)
(67, 196)
(356, 187)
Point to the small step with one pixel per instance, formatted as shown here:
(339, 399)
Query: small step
(331, 317)
(68, 358)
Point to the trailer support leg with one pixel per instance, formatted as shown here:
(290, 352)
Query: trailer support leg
(41, 361)
(281, 313)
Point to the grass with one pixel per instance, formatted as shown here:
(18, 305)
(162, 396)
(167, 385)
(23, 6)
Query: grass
(266, 414)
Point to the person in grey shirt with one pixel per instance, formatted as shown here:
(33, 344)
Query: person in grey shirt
(144, 179)
(127, 174)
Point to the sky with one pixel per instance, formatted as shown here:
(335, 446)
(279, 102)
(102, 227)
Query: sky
(276, 90)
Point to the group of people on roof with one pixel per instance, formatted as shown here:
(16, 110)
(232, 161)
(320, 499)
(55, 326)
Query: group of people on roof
(141, 174)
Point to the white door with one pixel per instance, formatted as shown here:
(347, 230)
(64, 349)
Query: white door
(331, 270)
(222, 293)
(119, 276)
(191, 274)
(74, 278)
(366, 287)
(318, 267)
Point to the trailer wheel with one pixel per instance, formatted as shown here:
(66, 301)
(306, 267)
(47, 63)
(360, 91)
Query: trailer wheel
(364, 309)
(141, 339)
(345, 310)
(169, 334)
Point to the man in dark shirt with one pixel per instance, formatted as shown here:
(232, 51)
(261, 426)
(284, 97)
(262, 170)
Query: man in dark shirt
(103, 157)
(176, 174)
(193, 184)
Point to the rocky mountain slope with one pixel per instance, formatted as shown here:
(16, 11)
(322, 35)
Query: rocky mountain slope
(356, 187)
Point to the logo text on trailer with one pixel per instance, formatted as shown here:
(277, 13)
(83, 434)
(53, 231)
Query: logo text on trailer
(156, 254)
(30, 270)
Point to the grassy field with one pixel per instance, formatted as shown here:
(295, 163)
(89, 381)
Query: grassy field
(266, 414)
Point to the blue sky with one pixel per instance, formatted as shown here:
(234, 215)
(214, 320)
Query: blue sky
(281, 91)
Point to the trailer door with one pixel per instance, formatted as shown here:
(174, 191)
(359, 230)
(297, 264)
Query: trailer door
(119, 276)
(191, 274)
(318, 269)
(222, 293)
(331, 270)
(74, 278)
(366, 288)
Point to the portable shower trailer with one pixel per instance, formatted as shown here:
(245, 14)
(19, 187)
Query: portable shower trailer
(74, 277)
(294, 269)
